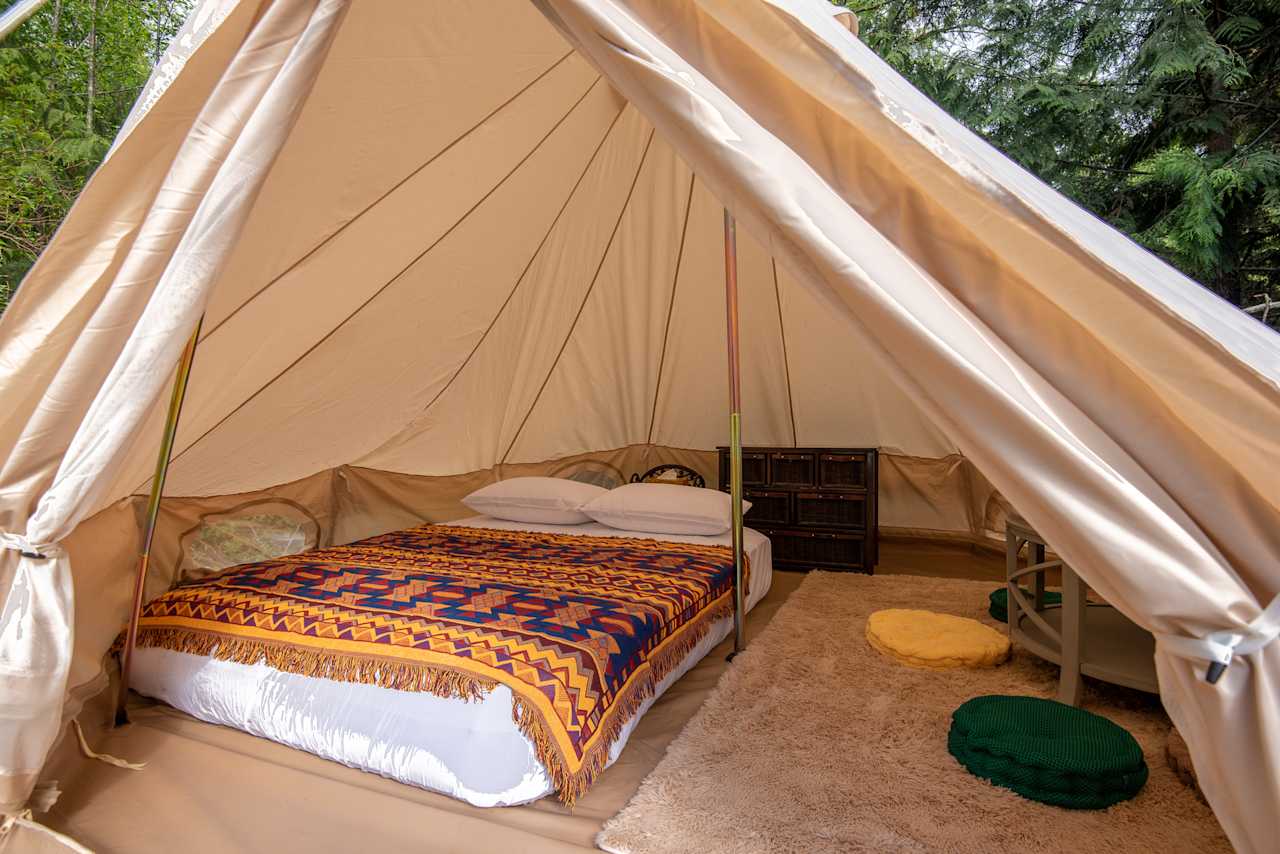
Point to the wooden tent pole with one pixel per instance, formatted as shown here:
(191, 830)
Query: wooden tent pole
(735, 421)
(153, 513)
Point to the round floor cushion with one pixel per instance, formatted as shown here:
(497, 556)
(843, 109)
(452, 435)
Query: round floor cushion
(999, 599)
(1047, 751)
(935, 641)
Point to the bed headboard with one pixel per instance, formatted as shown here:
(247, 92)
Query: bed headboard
(671, 473)
(608, 476)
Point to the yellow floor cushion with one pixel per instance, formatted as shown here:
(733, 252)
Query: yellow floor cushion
(935, 641)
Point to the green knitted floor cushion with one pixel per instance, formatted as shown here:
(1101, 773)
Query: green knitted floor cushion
(999, 597)
(1047, 751)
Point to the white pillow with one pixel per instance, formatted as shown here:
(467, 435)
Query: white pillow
(664, 508)
(544, 500)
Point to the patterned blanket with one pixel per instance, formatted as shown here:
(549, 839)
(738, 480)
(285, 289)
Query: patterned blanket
(580, 628)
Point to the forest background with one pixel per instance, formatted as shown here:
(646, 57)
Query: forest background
(1162, 117)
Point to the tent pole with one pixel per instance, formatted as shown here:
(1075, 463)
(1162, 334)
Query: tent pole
(153, 513)
(735, 421)
(13, 17)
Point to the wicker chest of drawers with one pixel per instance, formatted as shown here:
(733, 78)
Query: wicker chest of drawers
(817, 505)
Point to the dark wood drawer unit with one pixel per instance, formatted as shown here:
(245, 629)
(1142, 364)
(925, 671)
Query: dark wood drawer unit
(806, 549)
(817, 505)
(755, 469)
(768, 507)
(791, 469)
(832, 509)
(842, 471)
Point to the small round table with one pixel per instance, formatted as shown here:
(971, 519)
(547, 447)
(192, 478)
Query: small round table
(1080, 636)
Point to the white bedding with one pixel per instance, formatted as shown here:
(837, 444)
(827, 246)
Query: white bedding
(472, 751)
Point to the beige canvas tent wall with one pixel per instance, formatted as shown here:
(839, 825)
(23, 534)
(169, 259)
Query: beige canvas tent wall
(439, 243)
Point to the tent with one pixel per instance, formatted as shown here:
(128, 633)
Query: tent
(438, 243)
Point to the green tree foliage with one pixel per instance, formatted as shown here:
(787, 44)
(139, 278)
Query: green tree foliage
(68, 78)
(1160, 116)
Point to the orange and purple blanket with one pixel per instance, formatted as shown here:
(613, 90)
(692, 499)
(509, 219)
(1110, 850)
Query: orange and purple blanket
(580, 628)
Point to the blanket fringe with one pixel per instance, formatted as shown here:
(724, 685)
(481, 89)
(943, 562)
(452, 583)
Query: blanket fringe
(322, 663)
(572, 785)
(444, 682)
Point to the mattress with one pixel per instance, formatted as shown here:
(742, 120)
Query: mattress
(468, 750)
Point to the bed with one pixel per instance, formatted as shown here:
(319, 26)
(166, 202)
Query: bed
(475, 741)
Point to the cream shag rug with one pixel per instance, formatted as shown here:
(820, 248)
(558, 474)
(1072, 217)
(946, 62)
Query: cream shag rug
(814, 742)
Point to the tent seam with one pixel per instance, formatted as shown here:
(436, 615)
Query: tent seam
(390, 281)
(396, 186)
(675, 282)
(626, 204)
(786, 361)
(519, 281)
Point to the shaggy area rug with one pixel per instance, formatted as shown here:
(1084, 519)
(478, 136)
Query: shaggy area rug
(814, 742)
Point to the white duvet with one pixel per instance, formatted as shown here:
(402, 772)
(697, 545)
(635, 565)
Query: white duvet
(470, 750)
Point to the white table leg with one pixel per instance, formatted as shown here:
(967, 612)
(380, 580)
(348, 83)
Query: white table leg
(1073, 612)
(1011, 546)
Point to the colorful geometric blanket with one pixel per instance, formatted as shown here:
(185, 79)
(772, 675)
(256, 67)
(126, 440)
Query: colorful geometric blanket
(580, 628)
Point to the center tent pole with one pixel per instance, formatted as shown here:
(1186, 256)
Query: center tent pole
(735, 422)
(153, 513)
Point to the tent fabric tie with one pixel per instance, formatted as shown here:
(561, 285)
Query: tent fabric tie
(103, 757)
(44, 796)
(25, 819)
(1218, 648)
(19, 543)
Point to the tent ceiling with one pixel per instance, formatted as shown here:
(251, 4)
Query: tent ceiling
(462, 246)
(536, 274)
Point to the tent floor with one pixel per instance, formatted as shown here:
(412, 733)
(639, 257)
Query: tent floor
(208, 788)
